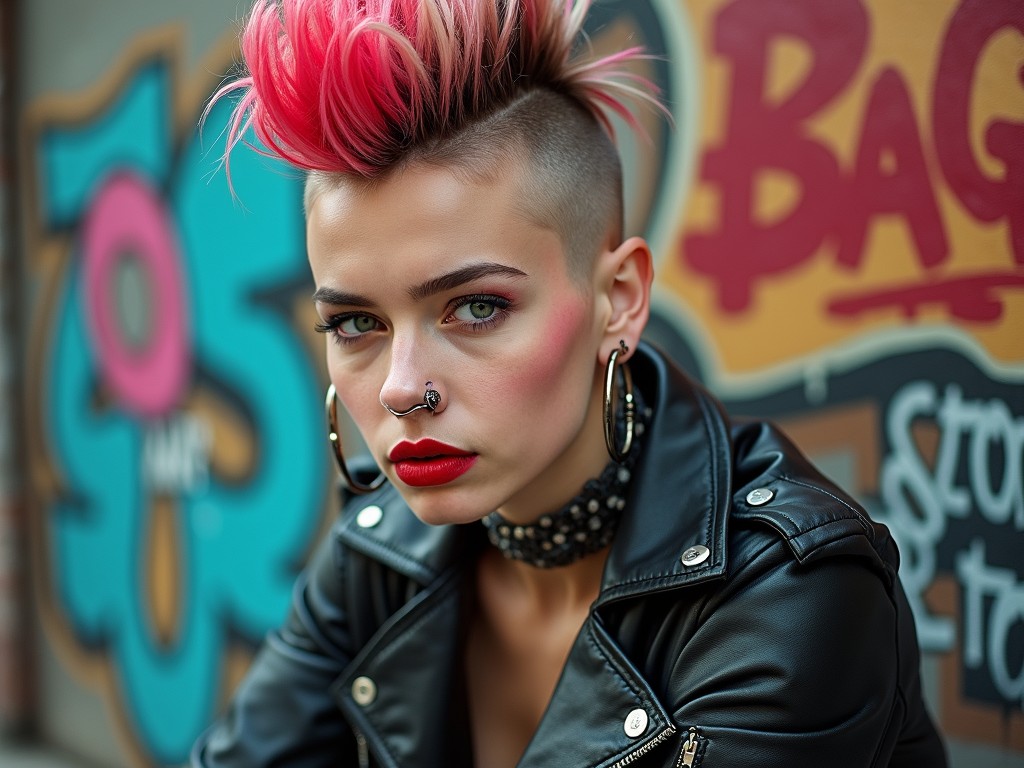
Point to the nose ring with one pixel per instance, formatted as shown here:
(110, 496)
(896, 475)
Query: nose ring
(431, 399)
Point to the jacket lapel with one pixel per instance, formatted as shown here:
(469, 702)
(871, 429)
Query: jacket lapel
(598, 697)
(414, 666)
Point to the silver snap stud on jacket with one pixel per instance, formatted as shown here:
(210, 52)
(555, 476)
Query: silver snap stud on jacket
(696, 555)
(636, 723)
(364, 691)
(760, 496)
(369, 516)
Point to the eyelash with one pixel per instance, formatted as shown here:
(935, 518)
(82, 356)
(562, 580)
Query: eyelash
(332, 324)
(501, 305)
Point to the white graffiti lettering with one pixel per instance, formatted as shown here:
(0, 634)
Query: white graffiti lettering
(979, 467)
(917, 527)
(176, 455)
(981, 580)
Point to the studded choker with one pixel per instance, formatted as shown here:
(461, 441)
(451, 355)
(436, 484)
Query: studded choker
(583, 526)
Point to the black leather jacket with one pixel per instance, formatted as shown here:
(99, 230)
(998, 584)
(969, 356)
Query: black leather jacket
(786, 642)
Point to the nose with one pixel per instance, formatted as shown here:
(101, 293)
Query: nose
(410, 382)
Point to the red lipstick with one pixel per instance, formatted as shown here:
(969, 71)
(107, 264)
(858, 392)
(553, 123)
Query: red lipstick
(430, 462)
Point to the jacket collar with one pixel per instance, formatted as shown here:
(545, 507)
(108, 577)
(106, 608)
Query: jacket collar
(681, 490)
(680, 494)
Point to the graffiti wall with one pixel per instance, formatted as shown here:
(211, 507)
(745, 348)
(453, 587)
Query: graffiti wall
(178, 452)
(838, 218)
(850, 260)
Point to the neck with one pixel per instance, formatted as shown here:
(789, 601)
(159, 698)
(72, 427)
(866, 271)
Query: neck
(552, 591)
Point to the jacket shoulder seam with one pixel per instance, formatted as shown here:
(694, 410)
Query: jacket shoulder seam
(857, 514)
(766, 513)
(828, 525)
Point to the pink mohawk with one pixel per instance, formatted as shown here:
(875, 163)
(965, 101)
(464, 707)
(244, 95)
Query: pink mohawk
(348, 86)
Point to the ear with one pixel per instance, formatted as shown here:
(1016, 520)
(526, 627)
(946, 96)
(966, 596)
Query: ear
(625, 277)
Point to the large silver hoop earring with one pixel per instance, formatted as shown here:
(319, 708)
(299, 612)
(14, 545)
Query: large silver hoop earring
(618, 454)
(334, 436)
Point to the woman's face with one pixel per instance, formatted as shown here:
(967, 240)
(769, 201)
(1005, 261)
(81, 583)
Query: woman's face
(426, 277)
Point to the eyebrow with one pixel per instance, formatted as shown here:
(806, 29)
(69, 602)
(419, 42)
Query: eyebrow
(434, 285)
(457, 277)
(334, 296)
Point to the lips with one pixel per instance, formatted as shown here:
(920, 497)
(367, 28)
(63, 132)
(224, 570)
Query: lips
(430, 462)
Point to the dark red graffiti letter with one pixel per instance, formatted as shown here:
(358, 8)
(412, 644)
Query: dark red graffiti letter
(972, 26)
(891, 177)
(760, 136)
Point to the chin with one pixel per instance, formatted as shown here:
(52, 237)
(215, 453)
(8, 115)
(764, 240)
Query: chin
(440, 507)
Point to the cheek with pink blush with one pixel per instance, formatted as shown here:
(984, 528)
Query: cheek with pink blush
(548, 354)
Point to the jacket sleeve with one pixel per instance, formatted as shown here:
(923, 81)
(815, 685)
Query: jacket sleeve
(796, 664)
(283, 713)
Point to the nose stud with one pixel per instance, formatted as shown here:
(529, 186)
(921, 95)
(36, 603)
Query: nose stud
(431, 399)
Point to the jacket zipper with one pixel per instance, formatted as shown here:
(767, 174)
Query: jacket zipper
(362, 749)
(633, 756)
(689, 753)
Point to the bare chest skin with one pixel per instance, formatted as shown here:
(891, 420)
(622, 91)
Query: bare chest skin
(519, 640)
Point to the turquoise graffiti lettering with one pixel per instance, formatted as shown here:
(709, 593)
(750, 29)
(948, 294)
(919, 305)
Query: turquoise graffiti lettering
(208, 277)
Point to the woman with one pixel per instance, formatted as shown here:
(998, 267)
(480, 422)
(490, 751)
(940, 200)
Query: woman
(571, 556)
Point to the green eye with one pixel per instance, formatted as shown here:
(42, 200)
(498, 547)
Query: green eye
(475, 310)
(357, 325)
(481, 310)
